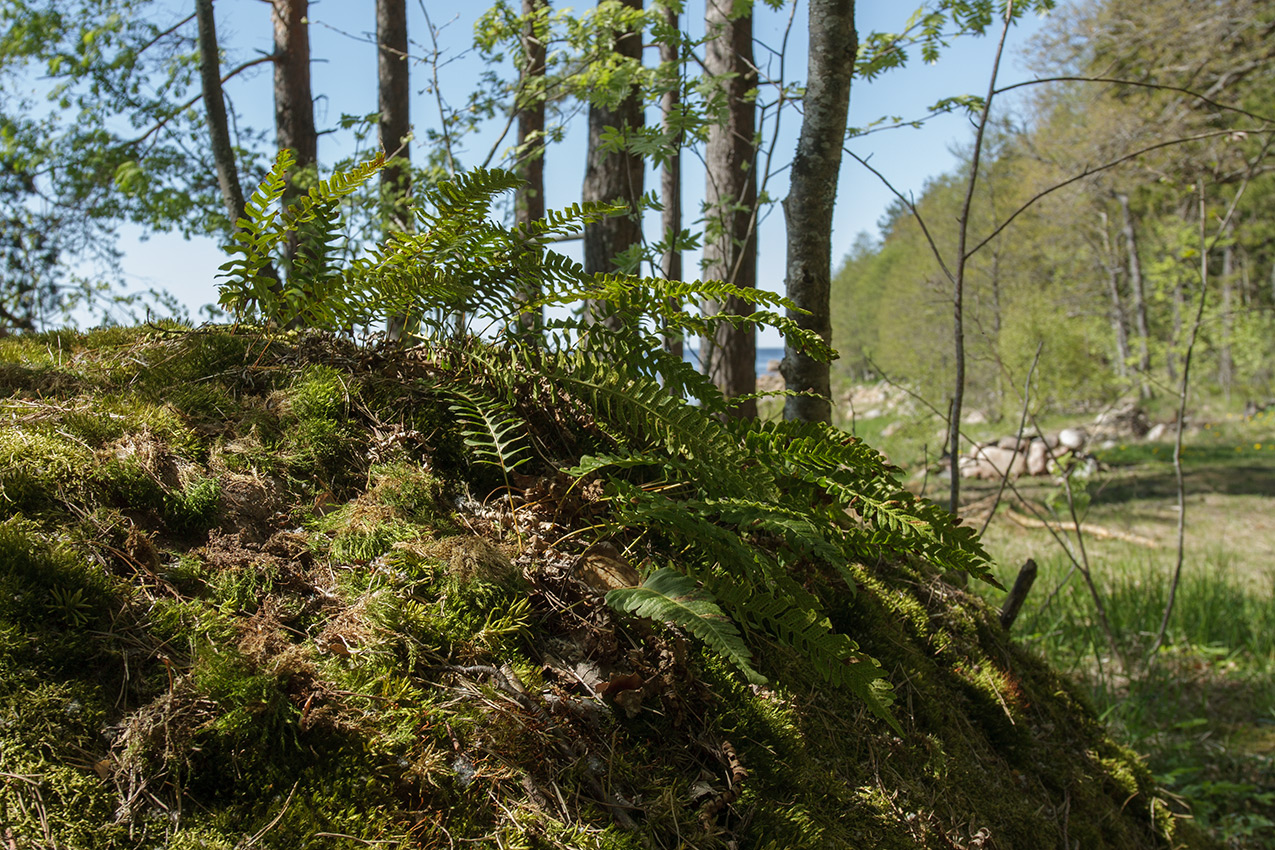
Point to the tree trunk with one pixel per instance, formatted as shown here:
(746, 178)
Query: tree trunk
(730, 194)
(393, 89)
(1119, 321)
(671, 179)
(1225, 361)
(611, 177)
(223, 150)
(293, 103)
(1138, 292)
(394, 97)
(529, 203)
(811, 196)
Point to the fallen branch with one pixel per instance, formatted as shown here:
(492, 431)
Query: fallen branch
(1098, 531)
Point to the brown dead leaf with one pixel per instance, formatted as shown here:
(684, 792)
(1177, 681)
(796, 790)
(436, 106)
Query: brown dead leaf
(603, 568)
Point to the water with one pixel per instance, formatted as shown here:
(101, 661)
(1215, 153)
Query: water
(764, 356)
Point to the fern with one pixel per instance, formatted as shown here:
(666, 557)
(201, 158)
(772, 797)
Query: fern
(736, 507)
(492, 432)
(672, 597)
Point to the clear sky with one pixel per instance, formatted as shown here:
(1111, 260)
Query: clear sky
(344, 82)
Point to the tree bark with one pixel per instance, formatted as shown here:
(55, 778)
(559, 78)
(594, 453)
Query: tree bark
(1119, 321)
(612, 177)
(394, 98)
(293, 102)
(1137, 291)
(671, 180)
(808, 208)
(393, 90)
(223, 150)
(730, 194)
(529, 202)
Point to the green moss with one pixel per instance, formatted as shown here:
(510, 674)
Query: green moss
(39, 467)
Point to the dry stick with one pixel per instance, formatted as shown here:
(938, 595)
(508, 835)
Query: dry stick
(1206, 247)
(1018, 594)
(1022, 423)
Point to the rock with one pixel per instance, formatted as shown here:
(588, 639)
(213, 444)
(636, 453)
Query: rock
(1014, 443)
(1158, 432)
(1073, 438)
(772, 366)
(998, 460)
(1051, 440)
(975, 417)
(893, 428)
(1129, 420)
(1038, 458)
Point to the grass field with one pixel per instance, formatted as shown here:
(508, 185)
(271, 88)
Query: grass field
(1203, 709)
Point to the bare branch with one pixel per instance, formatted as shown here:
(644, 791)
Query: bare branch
(1088, 172)
(1265, 119)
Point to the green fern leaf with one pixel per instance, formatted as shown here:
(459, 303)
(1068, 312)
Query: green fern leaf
(669, 596)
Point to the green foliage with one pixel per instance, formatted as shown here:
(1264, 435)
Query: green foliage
(673, 597)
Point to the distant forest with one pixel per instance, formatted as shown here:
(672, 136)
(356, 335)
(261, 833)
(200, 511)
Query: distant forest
(1104, 268)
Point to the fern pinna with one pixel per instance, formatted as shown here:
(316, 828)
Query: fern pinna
(729, 513)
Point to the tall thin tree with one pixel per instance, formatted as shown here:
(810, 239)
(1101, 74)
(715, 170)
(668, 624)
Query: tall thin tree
(529, 203)
(393, 88)
(293, 101)
(671, 173)
(614, 175)
(730, 194)
(834, 43)
(223, 150)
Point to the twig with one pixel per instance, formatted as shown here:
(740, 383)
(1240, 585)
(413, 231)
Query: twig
(1022, 423)
(282, 811)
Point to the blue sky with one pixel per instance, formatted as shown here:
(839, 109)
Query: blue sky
(344, 81)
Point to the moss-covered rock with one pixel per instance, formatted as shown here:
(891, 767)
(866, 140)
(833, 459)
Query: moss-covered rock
(245, 599)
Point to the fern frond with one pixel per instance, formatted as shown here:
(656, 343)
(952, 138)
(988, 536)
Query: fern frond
(835, 657)
(674, 598)
(491, 431)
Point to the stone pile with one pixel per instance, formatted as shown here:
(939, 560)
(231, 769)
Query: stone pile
(1027, 455)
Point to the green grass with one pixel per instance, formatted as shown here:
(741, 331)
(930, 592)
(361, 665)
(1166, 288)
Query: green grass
(1204, 711)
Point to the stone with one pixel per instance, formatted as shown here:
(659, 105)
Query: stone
(1038, 458)
(999, 460)
(1072, 438)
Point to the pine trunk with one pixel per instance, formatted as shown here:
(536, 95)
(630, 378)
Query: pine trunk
(671, 180)
(393, 88)
(293, 102)
(811, 196)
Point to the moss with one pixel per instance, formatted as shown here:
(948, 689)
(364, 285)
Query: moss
(315, 656)
(39, 467)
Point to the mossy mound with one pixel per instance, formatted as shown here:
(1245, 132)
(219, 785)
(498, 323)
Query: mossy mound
(260, 593)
